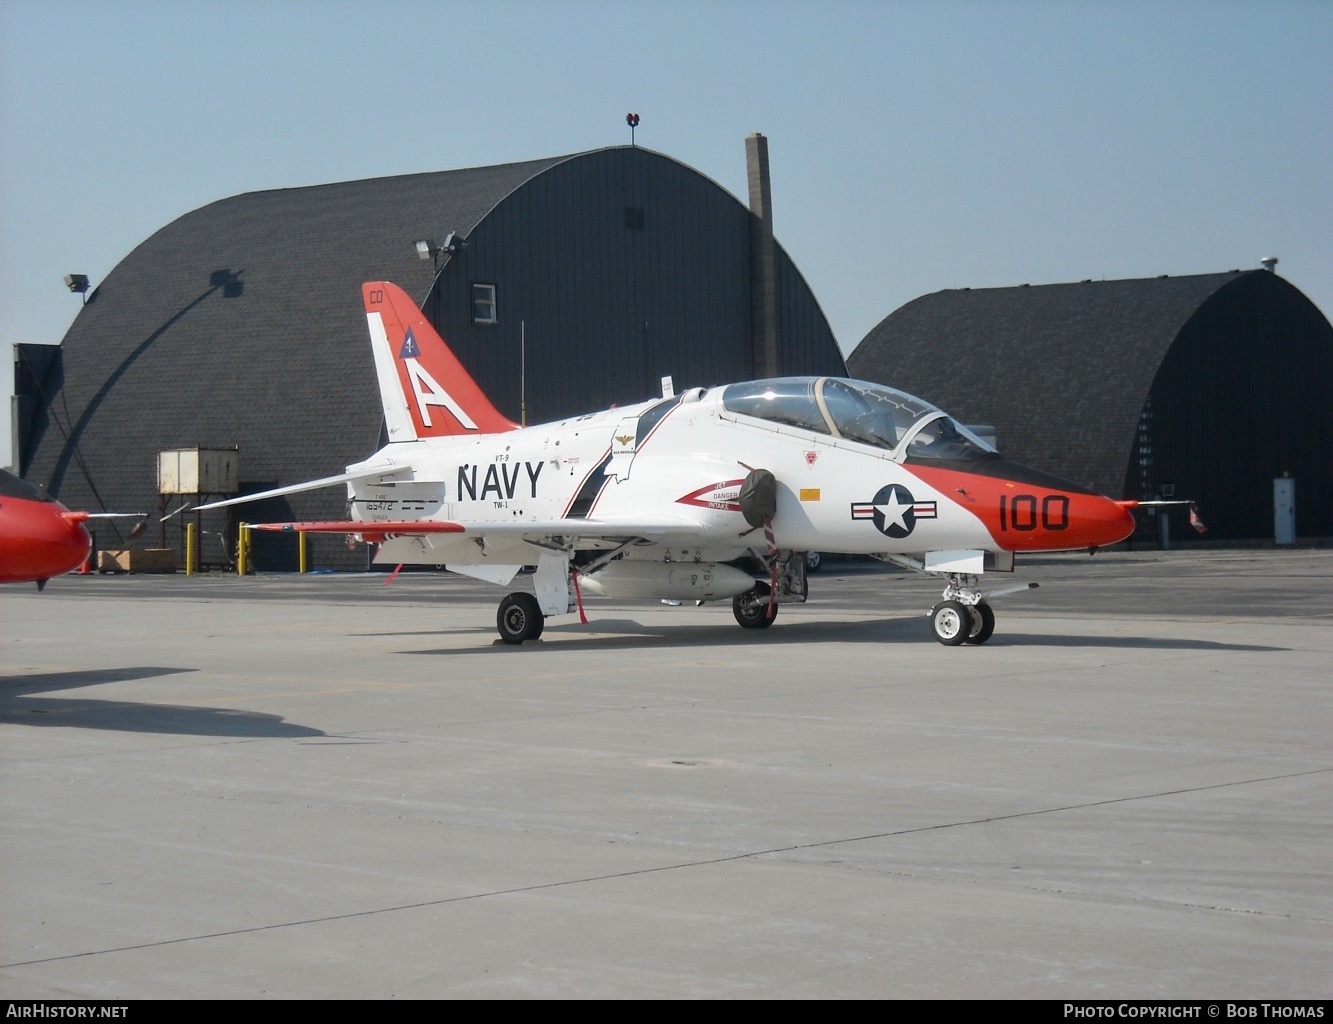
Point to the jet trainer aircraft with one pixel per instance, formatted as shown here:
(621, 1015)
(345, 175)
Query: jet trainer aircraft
(713, 494)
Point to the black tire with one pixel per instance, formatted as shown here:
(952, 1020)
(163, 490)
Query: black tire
(519, 618)
(751, 608)
(983, 624)
(813, 561)
(951, 622)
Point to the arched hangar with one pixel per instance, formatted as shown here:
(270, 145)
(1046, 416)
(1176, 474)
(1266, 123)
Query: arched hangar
(563, 285)
(1204, 387)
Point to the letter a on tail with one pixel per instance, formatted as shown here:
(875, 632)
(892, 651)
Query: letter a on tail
(424, 388)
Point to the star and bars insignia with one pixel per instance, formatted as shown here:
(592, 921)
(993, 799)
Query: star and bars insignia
(893, 510)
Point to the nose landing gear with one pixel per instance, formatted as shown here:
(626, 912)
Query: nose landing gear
(965, 615)
(955, 623)
(951, 621)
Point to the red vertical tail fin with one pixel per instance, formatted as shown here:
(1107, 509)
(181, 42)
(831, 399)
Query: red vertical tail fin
(424, 388)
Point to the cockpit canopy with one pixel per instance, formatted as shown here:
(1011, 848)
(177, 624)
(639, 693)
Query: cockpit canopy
(12, 486)
(858, 411)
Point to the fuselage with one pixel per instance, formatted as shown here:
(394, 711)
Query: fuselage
(860, 469)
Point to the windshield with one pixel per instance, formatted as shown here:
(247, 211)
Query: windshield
(871, 413)
(942, 440)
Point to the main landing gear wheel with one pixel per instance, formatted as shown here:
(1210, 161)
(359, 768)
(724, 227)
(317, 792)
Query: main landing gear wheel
(751, 607)
(983, 623)
(519, 618)
(952, 622)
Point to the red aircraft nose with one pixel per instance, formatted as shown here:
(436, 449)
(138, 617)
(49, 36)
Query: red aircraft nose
(1095, 521)
(1028, 517)
(41, 540)
(1028, 510)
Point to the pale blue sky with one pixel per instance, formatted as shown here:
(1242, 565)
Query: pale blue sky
(915, 146)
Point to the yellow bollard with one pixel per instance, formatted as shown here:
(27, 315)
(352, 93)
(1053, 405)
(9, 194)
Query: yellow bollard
(242, 548)
(189, 549)
(303, 560)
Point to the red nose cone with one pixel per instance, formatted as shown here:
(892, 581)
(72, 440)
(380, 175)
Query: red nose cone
(40, 540)
(1103, 521)
(1029, 518)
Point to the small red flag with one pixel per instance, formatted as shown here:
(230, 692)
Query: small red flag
(1195, 521)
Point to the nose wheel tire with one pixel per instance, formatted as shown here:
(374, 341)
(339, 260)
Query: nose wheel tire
(983, 624)
(952, 622)
(519, 618)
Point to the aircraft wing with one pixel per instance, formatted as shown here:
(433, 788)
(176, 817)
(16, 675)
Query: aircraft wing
(530, 529)
(402, 528)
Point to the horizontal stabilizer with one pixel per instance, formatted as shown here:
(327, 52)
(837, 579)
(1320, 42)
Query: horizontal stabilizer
(309, 485)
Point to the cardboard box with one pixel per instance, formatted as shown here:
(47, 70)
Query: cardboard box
(137, 560)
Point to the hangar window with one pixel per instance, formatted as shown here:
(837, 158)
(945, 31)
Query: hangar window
(483, 304)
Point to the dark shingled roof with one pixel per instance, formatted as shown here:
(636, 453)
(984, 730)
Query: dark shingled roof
(1062, 370)
(182, 315)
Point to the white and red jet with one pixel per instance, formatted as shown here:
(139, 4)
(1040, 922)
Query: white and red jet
(712, 494)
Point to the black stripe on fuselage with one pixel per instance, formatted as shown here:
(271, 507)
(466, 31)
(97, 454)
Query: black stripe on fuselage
(649, 420)
(589, 491)
(993, 464)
